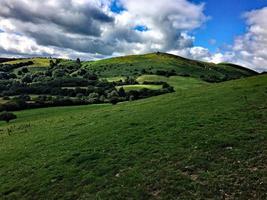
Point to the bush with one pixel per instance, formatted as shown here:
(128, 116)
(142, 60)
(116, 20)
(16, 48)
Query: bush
(114, 100)
(7, 116)
(24, 70)
(121, 92)
(166, 73)
(165, 85)
(26, 78)
(6, 98)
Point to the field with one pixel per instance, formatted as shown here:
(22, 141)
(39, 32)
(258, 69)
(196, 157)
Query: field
(37, 62)
(139, 87)
(199, 143)
(114, 79)
(178, 82)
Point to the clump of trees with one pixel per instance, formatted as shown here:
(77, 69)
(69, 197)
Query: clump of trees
(166, 73)
(65, 83)
(9, 67)
(7, 116)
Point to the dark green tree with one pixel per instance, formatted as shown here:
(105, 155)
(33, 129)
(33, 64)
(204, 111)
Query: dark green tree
(7, 116)
(24, 70)
(121, 92)
(78, 61)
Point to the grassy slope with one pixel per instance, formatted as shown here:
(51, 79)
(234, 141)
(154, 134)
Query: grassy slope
(207, 142)
(132, 65)
(37, 62)
(3, 60)
(178, 82)
(139, 87)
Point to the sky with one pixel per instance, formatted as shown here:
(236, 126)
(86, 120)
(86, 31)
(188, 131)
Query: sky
(209, 30)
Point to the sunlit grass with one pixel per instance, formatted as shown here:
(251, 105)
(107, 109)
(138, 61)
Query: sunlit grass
(199, 143)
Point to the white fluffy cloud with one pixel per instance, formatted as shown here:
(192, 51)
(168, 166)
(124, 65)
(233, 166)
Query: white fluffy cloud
(250, 49)
(89, 27)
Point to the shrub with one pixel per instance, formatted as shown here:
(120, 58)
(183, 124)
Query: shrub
(7, 116)
(24, 70)
(121, 92)
(78, 61)
(26, 78)
(165, 85)
(11, 106)
(114, 100)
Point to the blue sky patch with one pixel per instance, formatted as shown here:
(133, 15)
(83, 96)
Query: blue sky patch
(141, 28)
(226, 23)
(116, 7)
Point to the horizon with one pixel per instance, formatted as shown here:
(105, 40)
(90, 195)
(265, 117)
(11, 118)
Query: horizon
(228, 31)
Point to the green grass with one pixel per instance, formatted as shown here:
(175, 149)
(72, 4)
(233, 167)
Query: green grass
(178, 82)
(203, 143)
(37, 62)
(115, 79)
(74, 87)
(135, 64)
(139, 87)
(2, 101)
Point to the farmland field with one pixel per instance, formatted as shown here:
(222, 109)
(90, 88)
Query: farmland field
(139, 87)
(208, 142)
(37, 62)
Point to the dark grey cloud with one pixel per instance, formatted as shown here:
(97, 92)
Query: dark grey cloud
(79, 27)
(85, 20)
(81, 44)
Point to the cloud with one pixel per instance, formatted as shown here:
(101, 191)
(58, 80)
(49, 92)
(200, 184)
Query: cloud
(168, 21)
(250, 49)
(94, 29)
(19, 45)
(68, 15)
(89, 26)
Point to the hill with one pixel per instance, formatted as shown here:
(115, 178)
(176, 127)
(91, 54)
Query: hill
(37, 62)
(162, 64)
(199, 143)
(2, 60)
(152, 63)
(42, 82)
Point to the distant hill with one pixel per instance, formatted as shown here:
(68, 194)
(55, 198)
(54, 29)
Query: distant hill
(2, 60)
(153, 63)
(157, 63)
(37, 62)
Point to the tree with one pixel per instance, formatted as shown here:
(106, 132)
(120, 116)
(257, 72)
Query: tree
(52, 63)
(58, 73)
(114, 100)
(24, 70)
(78, 61)
(7, 116)
(122, 92)
(165, 85)
(113, 97)
(26, 78)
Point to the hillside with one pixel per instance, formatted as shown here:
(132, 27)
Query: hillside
(157, 62)
(4, 60)
(152, 63)
(199, 143)
(37, 62)
(45, 82)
